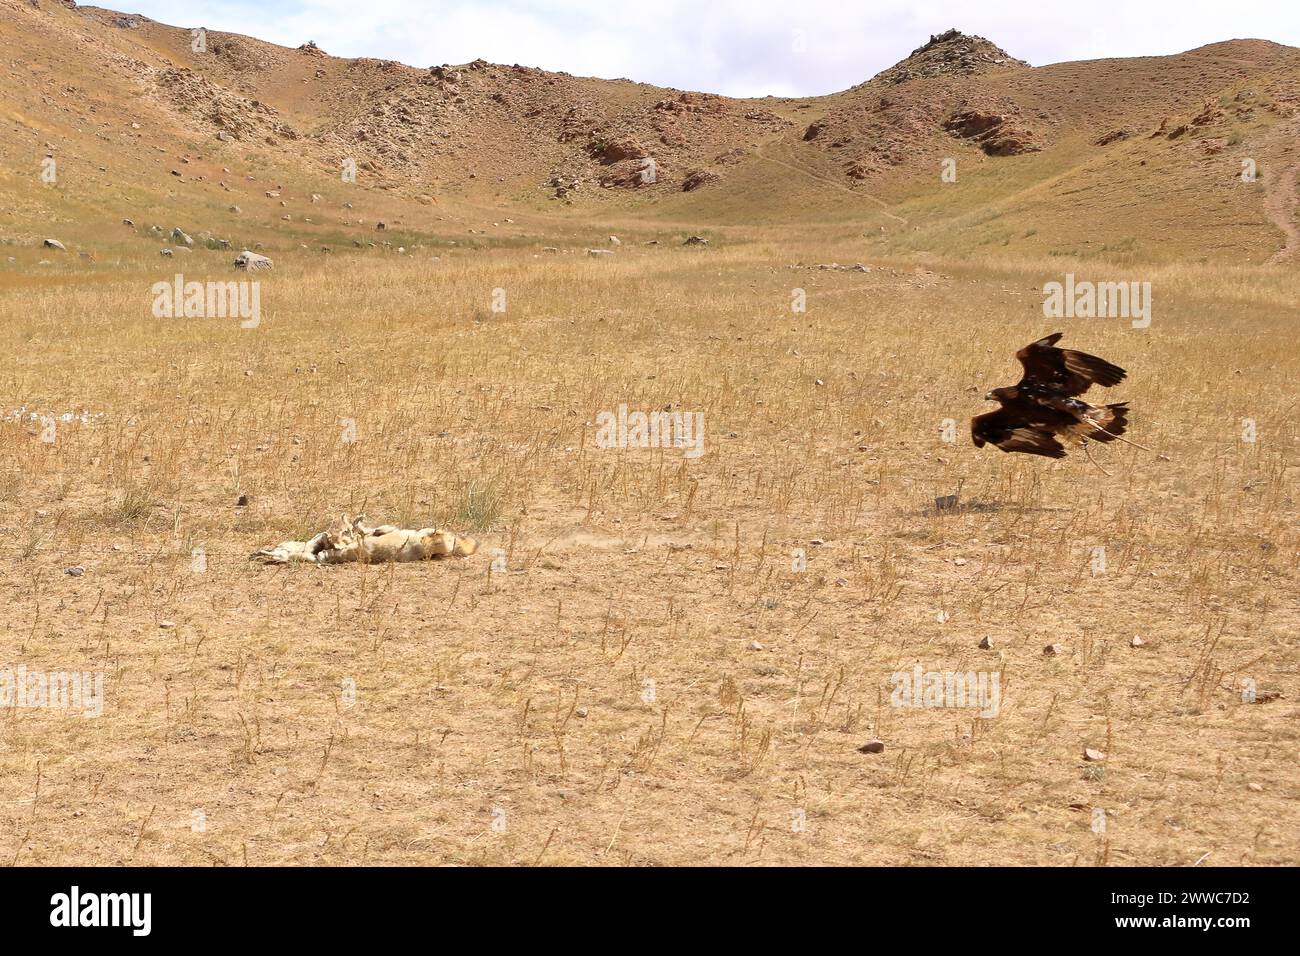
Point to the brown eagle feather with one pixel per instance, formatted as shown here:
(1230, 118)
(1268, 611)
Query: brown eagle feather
(1043, 409)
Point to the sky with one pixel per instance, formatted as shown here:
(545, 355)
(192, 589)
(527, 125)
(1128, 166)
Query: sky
(733, 47)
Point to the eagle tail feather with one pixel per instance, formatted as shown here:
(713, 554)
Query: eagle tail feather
(1111, 421)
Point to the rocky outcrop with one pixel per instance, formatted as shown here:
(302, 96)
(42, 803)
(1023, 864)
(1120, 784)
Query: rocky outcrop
(1114, 136)
(701, 177)
(617, 151)
(951, 54)
(996, 132)
(214, 108)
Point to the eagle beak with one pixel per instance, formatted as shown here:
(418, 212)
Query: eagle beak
(988, 396)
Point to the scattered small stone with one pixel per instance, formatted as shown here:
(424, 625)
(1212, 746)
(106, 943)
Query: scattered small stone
(986, 644)
(1094, 755)
(755, 646)
(581, 712)
(1052, 650)
(54, 244)
(242, 502)
(1136, 642)
(872, 747)
(75, 571)
(166, 625)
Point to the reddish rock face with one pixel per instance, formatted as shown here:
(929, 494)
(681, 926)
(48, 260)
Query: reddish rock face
(618, 151)
(997, 134)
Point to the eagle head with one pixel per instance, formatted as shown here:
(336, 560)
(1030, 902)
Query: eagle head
(1008, 394)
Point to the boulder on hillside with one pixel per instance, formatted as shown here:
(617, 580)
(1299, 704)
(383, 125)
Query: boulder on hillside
(54, 244)
(701, 177)
(252, 262)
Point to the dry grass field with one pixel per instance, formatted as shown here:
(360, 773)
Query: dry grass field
(636, 668)
(655, 657)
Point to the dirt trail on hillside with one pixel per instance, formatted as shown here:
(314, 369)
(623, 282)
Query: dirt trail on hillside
(1280, 197)
(1280, 203)
(884, 206)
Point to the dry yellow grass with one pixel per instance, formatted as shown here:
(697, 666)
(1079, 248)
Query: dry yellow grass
(466, 741)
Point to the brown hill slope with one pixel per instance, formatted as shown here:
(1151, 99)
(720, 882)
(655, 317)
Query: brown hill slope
(1132, 158)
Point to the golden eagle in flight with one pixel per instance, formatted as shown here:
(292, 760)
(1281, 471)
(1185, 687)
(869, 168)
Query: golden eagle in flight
(1043, 408)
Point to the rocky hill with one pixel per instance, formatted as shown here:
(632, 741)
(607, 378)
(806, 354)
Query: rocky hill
(144, 110)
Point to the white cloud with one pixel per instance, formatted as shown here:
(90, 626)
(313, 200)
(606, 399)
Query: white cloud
(737, 47)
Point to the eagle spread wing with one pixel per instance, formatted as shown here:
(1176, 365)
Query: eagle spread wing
(1010, 429)
(1065, 371)
(1042, 410)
